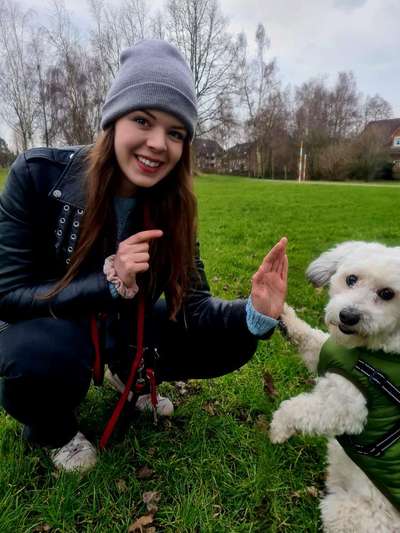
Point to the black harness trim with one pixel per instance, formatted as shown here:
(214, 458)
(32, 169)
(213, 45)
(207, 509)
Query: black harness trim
(382, 382)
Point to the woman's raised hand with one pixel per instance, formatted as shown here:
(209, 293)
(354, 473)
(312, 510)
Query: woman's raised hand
(133, 256)
(269, 283)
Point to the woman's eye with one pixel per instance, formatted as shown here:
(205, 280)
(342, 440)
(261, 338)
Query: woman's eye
(351, 280)
(177, 135)
(141, 121)
(386, 294)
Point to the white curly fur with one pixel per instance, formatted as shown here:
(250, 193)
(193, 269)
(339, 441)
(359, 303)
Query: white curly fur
(335, 406)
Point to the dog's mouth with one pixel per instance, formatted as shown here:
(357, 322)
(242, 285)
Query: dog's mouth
(346, 330)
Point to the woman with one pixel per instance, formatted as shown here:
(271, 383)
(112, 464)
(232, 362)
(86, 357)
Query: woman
(90, 238)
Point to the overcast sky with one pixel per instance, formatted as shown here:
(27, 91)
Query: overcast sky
(315, 37)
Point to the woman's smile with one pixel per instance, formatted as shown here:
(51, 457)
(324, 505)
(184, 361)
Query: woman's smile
(146, 164)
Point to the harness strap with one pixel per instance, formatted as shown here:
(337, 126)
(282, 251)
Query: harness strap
(377, 448)
(378, 379)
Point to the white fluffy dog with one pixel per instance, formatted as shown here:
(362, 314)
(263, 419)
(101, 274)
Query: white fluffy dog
(363, 317)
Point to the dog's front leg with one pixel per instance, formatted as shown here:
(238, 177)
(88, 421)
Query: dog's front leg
(334, 407)
(308, 340)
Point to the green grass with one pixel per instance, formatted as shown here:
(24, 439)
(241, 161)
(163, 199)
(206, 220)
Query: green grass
(3, 174)
(214, 466)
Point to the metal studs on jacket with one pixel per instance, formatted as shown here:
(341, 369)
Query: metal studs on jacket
(67, 231)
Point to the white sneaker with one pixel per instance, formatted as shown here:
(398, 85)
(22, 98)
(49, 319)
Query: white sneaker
(78, 454)
(164, 405)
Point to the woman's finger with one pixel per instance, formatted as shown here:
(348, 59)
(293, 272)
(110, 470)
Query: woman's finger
(140, 258)
(274, 255)
(144, 236)
(284, 269)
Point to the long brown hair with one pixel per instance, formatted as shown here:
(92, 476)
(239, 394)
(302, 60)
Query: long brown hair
(172, 208)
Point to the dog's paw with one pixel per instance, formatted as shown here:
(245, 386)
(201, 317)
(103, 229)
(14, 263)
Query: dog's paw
(280, 429)
(288, 314)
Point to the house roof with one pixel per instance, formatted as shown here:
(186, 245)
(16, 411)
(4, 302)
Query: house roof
(239, 150)
(385, 128)
(204, 147)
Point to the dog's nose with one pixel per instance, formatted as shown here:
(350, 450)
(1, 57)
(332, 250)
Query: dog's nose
(349, 316)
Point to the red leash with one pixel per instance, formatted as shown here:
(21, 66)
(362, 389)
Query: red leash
(98, 373)
(135, 365)
(98, 367)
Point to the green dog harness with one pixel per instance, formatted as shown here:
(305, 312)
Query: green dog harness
(377, 449)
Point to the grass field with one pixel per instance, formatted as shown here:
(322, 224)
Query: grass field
(213, 464)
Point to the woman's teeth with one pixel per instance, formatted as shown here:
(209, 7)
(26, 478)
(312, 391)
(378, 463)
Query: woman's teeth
(147, 162)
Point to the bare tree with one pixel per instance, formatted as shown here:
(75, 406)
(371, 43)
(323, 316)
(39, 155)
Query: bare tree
(326, 117)
(73, 82)
(157, 25)
(344, 112)
(134, 21)
(272, 133)
(376, 108)
(260, 93)
(116, 28)
(370, 156)
(256, 77)
(199, 30)
(18, 82)
(334, 161)
(106, 38)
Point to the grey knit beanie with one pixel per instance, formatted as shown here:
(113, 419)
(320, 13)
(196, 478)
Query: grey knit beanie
(153, 74)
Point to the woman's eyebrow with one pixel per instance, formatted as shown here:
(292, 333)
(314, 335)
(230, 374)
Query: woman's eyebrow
(175, 127)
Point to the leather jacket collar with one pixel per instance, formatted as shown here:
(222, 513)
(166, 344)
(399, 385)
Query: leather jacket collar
(68, 189)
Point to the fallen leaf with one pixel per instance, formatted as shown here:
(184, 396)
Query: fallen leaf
(166, 423)
(144, 472)
(313, 491)
(262, 424)
(140, 524)
(217, 511)
(121, 485)
(42, 528)
(151, 451)
(151, 499)
(296, 494)
(269, 387)
(194, 386)
(209, 408)
(181, 386)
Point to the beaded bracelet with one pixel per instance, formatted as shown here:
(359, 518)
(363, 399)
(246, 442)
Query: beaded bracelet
(112, 277)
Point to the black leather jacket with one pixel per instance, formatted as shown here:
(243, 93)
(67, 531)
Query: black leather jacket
(41, 208)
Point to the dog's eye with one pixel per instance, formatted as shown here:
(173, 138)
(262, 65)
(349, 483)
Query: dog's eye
(386, 294)
(351, 280)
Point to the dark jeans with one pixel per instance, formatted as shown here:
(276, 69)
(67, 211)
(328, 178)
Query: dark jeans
(46, 366)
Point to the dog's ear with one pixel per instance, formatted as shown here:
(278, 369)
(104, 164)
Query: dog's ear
(320, 271)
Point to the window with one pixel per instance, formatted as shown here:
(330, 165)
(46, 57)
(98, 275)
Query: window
(396, 141)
